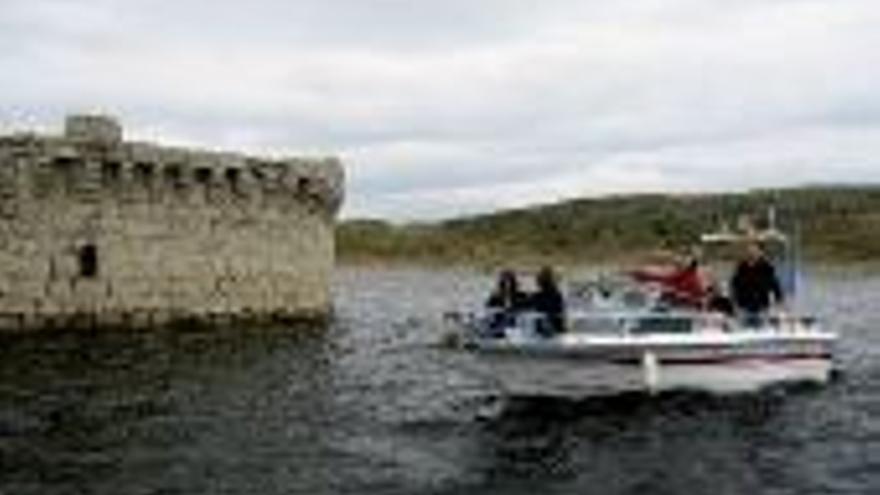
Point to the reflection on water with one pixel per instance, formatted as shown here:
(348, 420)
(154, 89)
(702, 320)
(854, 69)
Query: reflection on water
(370, 405)
(680, 442)
(108, 411)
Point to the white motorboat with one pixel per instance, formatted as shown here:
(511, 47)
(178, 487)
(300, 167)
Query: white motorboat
(620, 338)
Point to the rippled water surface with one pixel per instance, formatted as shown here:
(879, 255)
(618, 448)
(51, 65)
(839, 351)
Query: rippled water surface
(370, 404)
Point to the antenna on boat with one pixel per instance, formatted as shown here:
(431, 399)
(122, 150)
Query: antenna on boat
(796, 258)
(790, 271)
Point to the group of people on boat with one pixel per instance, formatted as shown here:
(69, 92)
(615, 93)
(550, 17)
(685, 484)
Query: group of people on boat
(754, 286)
(685, 283)
(508, 300)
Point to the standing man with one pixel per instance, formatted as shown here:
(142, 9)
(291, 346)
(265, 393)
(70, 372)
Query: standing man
(755, 286)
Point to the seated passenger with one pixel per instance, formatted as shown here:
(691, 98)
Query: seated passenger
(505, 301)
(682, 284)
(754, 285)
(548, 302)
(718, 302)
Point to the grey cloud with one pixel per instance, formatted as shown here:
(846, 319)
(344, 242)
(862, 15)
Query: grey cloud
(467, 105)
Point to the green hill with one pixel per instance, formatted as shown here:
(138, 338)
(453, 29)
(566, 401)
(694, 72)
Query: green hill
(839, 223)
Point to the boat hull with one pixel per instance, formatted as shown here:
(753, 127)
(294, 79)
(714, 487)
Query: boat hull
(718, 364)
(555, 377)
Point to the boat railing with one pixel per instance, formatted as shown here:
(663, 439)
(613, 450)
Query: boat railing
(682, 322)
(500, 323)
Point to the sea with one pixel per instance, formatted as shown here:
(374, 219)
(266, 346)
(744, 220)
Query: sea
(373, 403)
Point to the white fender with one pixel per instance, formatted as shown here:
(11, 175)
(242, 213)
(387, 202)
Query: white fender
(651, 369)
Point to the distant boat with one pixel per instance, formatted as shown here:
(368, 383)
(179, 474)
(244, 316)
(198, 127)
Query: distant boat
(621, 337)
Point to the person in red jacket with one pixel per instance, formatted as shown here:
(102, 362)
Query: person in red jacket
(683, 284)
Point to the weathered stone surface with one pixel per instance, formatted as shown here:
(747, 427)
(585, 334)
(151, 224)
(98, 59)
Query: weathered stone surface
(95, 230)
(93, 128)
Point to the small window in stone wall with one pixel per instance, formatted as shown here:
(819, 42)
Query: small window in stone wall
(258, 173)
(203, 175)
(174, 176)
(88, 261)
(233, 179)
(303, 186)
(65, 162)
(65, 168)
(144, 172)
(111, 171)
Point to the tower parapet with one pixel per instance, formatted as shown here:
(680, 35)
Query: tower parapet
(92, 150)
(93, 128)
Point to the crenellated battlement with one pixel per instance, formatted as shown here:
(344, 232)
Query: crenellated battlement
(92, 155)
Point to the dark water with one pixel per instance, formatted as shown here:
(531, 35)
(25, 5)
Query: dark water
(369, 405)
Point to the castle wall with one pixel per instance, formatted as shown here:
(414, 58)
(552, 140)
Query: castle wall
(96, 231)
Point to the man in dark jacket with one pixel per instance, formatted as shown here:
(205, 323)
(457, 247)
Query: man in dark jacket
(755, 286)
(549, 303)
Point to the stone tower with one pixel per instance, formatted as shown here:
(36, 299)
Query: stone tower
(99, 231)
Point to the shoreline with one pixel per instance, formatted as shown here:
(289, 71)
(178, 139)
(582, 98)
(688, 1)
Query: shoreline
(810, 265)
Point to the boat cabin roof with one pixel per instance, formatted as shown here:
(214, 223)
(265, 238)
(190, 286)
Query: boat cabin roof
(763, 236)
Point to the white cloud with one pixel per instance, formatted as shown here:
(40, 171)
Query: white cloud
(462, 106)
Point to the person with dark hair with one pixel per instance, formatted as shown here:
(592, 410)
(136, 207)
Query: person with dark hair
(505, 301)
(548, 302)
(754, 285)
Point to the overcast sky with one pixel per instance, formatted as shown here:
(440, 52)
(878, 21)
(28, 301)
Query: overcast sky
(440, 108)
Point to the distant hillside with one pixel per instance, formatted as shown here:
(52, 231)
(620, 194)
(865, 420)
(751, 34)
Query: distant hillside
(839, 223)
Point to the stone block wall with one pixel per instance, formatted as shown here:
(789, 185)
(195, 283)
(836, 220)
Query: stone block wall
(97, 231)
